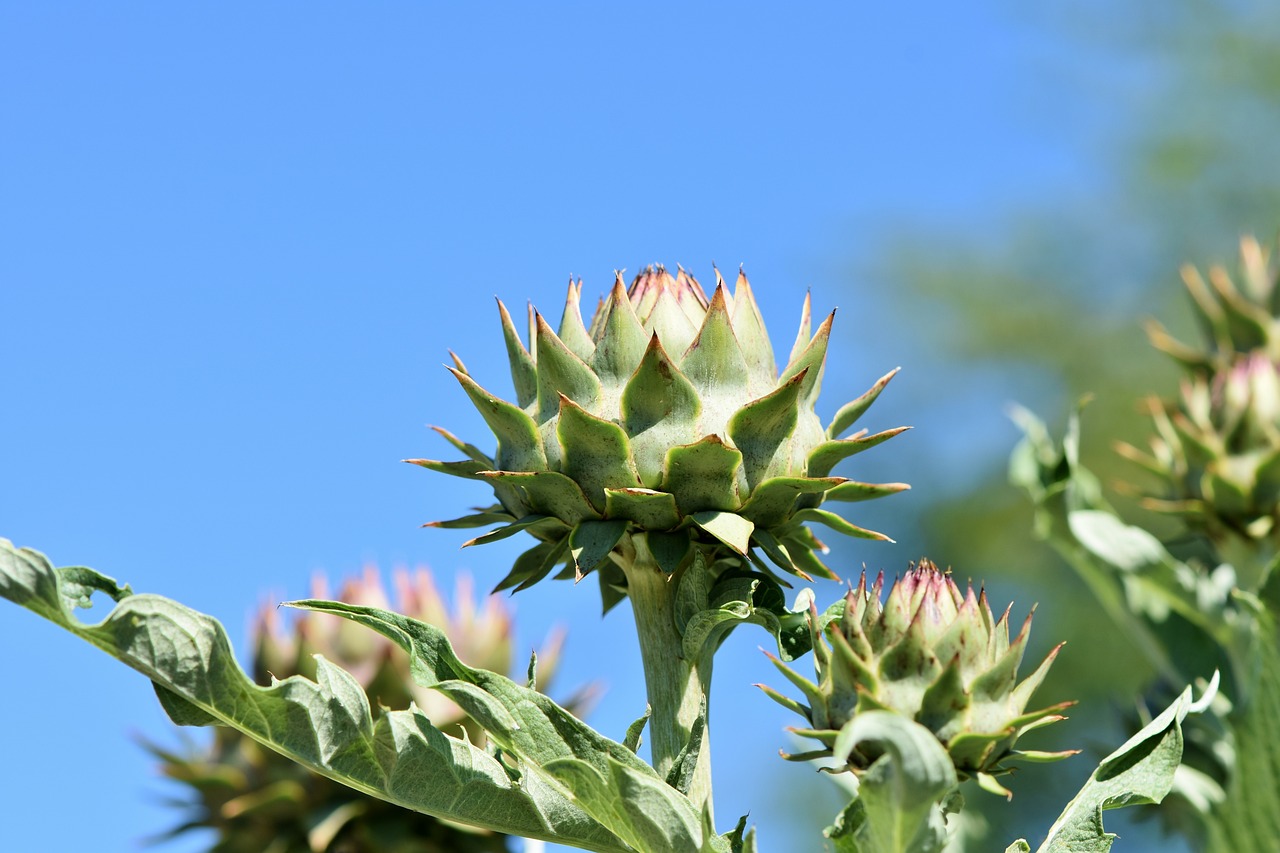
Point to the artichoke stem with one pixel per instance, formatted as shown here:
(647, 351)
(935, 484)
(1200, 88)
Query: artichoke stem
(677, 688)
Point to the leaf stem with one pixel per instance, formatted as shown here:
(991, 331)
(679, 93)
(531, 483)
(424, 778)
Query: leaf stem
(677, 688)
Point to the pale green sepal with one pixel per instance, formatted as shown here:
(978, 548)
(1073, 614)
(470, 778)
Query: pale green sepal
(572, 332)
(524, 373)
(810, 363)
(803, 333)
(534, 565)
(852, 490)
(510, 530)
(621, 341)
(471, 450)
(703, 475)
(730, 528)
(749, 327)
(479, 519)
(590, 544)
(467, 468)
(714, 363)
(648, 509)
(1140, 771)
(772, 502)
(828, 454)
(901, 802)
(402, 759)
(596, 453)
(547, 493)
(660, 409)
(849, 413)
(519, 445)
(838, 524)
(561, 372)
(668, 321)
(762, 428)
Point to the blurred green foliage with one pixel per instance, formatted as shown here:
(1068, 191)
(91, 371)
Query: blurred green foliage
(1043, 304)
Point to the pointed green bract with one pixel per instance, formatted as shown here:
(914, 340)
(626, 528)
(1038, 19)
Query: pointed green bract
(669, 405)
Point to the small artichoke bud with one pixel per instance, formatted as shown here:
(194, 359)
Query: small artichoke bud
(932, 654)
(255, 799)
(1216, 448)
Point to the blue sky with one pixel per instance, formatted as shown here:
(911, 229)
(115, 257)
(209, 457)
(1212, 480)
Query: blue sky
(238, 243)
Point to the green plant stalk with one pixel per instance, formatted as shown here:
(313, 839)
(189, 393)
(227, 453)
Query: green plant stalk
(677, 688)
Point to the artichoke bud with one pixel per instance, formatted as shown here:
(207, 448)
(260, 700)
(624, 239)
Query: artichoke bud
(665, 416)
(255, 799)
(1216, 448)
(932, 654)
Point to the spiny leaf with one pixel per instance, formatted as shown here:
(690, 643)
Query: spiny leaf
(323, 724)
(660, 409)
(703, 475)
(524, 373)
(597, 453)
(826, 455)
(622, 340)
(561, 372)
(761, 430)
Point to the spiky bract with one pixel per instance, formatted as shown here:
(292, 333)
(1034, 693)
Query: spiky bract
(666, 415)
(257, 801)
(930, 653)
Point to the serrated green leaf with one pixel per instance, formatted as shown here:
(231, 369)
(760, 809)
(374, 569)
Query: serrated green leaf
(603, 776)
(323, 724)
(547, 493)
(772, 502)
(899, 807)
(1140, 771)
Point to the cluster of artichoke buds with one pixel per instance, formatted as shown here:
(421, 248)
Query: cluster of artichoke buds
(1216, 450)
(932, 654)
(665, 415)
(256, 800)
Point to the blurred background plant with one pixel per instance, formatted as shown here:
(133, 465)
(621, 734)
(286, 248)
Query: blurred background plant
(1042, 304)
(256, 801)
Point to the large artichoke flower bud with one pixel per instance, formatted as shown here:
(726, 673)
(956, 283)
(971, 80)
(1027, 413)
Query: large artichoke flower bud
(1216, 450)
(932, 654)
(665, 415)
(258, 801)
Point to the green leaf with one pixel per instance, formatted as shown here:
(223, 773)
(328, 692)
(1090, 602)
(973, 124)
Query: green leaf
(572, 331)
(748, 327)
(602, 776)
(471, 450)
(852, 490)
(714, 362)
(1140, 771)
(810, 362)
(323, 724)
(899, 807)
(838, 524)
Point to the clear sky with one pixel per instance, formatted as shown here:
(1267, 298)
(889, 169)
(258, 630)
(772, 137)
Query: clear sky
(236, 244)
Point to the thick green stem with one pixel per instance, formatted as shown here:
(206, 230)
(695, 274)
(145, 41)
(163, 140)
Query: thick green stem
(677, 688)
